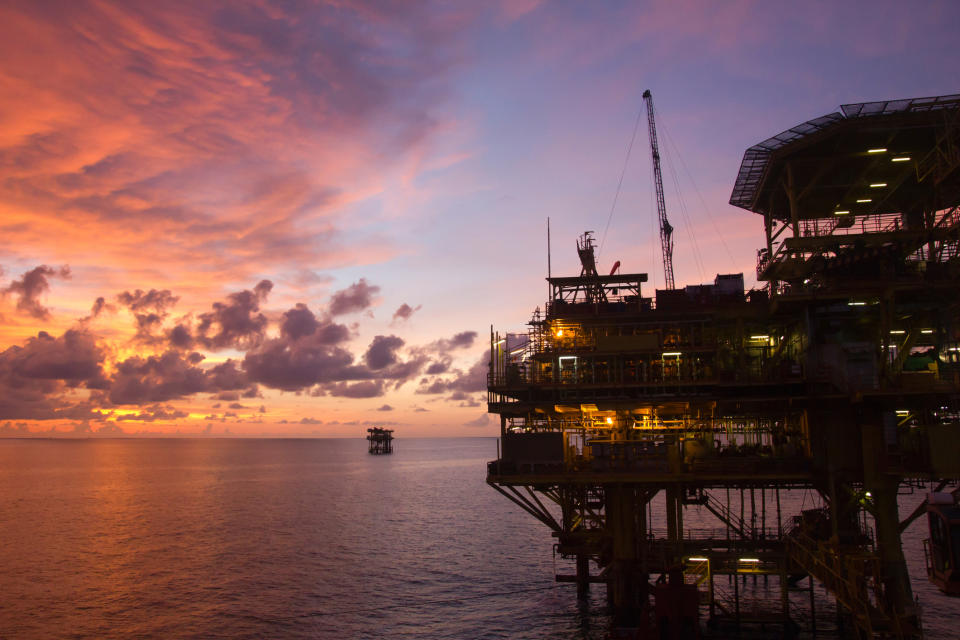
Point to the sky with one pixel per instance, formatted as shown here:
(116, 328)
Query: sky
(248, 218)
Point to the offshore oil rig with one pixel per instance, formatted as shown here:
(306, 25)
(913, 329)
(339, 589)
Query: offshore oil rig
(380, 441)
(840, 377)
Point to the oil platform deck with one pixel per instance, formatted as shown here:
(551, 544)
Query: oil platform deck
(841, 375)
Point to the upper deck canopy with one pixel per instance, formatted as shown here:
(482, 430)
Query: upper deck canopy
(839, 162)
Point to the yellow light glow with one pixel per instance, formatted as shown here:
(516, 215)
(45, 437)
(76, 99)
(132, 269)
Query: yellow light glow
(609, 420)
(864, 200)
(841, 212)
(670, 354)
(876, 150)
(698, 559)
(759, 337)
(878, 185)
(749, 559)
(559, 333)
(856, 304)
(868, 494)
(897, 332)
(902, 412)
(900, 159)
(926, 331)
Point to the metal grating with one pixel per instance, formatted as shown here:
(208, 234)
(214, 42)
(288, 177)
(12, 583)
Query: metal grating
(754, 163)
(756, 158)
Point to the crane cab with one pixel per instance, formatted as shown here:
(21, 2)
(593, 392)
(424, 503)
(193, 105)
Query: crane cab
(942, 549)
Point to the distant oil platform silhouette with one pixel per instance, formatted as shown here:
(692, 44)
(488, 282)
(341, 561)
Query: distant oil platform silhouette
(381, 440)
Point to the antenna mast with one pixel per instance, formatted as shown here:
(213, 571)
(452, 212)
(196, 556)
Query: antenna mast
(666, 231)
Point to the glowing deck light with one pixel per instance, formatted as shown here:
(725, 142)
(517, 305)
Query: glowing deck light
(878, 185)
(902, 412)
(671, 354)
(759, 337)
(609, 420)
(698, 559)
(841, 212)
(926, 331)
(749, 559)
(900, 159)
(897, 332)
(864, 200)
(876, 150)
(559, 333)
(856, 304)
(868, 494)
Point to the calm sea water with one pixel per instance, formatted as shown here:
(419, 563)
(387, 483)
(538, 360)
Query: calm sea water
(286, 538)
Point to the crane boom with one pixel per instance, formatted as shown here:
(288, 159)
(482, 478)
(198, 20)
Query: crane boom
(666, 231)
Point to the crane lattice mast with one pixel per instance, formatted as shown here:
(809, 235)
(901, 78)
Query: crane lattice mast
(666, 231)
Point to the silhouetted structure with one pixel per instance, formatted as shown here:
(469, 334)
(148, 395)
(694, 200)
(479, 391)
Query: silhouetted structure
(381, 440)
(841, 376)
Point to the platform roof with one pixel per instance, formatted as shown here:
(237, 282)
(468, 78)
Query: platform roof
(625, 279)
(833, 160)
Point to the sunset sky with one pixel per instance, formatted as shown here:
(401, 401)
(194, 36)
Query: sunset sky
(296, 218)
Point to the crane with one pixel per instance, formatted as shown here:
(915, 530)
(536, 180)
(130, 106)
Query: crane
(666, 231)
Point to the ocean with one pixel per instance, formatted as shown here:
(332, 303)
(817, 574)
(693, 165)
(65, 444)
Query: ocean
(285, 538)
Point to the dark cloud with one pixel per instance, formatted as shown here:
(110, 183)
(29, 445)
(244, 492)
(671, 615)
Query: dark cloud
(236, 323)
(298, 322)
(294, 365)
(168, 376)
(73, 357)
(36, 378)
(472, 380)
(364, 389)
(356, 297)
(382, 352)
(31, 286)
(405, 311)
(156, 300)
(438, 367)
(461, 340)
(149, 310)
(99, 306)
(385, 407)
(180, 337)
(309, 353)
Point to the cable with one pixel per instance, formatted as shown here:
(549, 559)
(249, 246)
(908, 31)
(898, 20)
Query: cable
(703, 202)
(623, 172)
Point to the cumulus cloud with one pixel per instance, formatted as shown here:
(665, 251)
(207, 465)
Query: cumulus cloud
(472, 380)
(236, 323)
(168, 376)
(35, 378)
(462, 340)
(357, 297)
(149, 310)
(31, 286)
(364, 389)
(385, 407)
(382, 352)
(404, 312)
